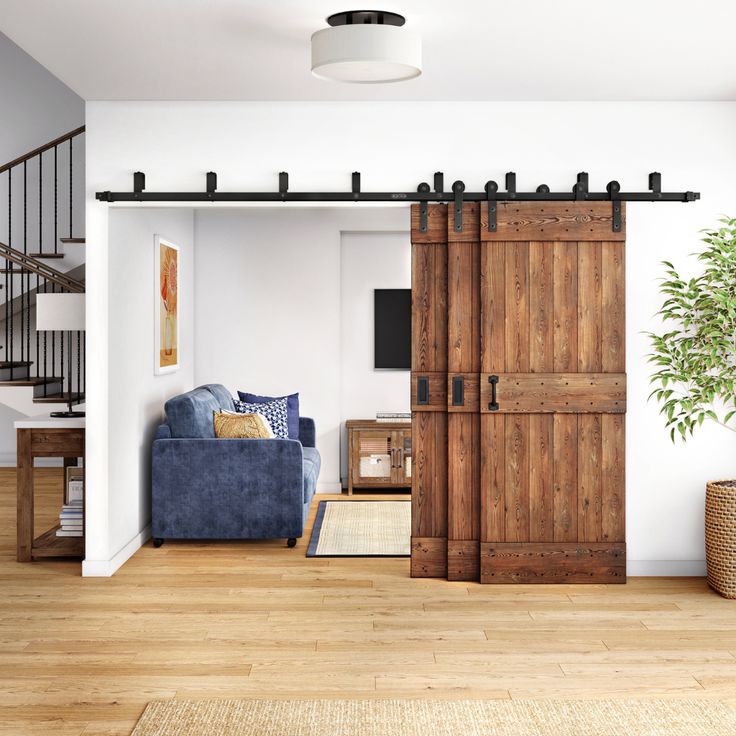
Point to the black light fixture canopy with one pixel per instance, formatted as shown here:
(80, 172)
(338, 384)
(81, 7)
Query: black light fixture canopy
(371, 17)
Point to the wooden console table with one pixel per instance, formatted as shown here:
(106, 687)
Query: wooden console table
(45, 437)
(379, 454)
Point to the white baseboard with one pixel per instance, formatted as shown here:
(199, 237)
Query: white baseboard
(665, 568)
(325, 487)
(107, 568)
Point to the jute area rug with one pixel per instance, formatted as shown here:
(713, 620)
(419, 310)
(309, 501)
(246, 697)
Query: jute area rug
(361, 529)
(437, 718)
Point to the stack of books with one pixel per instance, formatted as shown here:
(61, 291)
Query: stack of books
(71, 517)
(393, 416)
(72, 520)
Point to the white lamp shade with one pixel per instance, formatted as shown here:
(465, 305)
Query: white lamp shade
(366, 53)
(60, 312)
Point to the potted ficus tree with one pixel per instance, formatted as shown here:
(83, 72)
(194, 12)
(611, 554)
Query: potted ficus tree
(695, 379)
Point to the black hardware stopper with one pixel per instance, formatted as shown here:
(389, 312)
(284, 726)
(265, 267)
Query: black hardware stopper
(139, 181)
(511, 183)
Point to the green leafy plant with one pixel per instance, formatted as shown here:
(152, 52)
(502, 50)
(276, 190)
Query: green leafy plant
(696, 358)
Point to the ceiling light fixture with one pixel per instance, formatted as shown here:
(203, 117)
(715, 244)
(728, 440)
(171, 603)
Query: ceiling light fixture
(366, 47)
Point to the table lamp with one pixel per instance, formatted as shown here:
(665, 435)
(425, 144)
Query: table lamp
(63, 313)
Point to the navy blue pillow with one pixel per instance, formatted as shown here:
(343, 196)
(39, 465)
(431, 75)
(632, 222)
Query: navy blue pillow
(292, 408)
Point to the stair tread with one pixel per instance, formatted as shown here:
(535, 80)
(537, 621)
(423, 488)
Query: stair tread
(59, 398)
(15, 363)
(29, 381)
(46, 255)
(73, 240)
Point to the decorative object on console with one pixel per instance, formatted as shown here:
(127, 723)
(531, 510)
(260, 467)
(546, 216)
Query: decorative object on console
(167, 306)
(393, 416)
(274, 412)
(292, 408)
(65, 313)
(231, 425)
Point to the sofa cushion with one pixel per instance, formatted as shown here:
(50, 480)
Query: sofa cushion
(312, 463)
(189, 415)
(223, 396)
(231, 425)
(274, 412)
(292, 408)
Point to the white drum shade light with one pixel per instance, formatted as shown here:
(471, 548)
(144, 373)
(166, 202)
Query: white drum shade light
(366, 47)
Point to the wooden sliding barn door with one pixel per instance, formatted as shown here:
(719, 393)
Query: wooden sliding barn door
(553, 395)
(518, 393)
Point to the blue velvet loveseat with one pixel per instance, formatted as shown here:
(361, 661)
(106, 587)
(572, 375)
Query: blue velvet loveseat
(208, 488)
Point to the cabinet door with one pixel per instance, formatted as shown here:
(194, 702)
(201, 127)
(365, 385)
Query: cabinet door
(373, 457)
(401, 441)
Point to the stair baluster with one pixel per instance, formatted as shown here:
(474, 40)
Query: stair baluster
(25, 275)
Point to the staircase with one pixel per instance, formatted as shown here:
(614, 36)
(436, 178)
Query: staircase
(40, 226)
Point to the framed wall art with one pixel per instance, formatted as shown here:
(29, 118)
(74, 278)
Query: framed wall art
(166, 345)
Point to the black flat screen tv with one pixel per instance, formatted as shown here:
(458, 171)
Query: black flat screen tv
(392, 329)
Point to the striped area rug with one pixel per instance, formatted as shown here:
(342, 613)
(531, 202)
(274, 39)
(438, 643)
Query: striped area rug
(437, 718)
(361, 529)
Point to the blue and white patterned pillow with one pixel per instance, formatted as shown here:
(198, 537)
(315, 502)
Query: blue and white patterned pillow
(274, 412)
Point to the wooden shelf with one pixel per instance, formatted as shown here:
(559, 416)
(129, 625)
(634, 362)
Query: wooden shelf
(49, 545)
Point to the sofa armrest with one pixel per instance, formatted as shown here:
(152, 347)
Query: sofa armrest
(307, 432)
(227, 488)
(163, 432)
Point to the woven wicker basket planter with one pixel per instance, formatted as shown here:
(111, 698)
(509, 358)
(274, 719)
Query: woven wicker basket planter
(720, 536)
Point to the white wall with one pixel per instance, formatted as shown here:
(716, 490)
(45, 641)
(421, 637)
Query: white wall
(36, 108)
(119, 507)
(396, 145)
(368, 261)
(269, 297)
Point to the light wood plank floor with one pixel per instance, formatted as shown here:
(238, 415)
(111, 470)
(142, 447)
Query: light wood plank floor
(253, 619)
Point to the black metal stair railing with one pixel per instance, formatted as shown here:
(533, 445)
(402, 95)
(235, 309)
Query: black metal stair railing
(35, 189)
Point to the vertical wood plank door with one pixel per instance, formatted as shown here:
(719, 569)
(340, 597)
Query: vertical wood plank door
(429, 393)
(552, 394)
(463, 401)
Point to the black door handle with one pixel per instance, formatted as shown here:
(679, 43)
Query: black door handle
(493, 380)
(458, 391)
(423, 390)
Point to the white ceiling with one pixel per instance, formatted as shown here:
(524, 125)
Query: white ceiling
(473, 49)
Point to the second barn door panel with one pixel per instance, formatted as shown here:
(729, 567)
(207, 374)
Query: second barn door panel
(429, 392)
(463, 401)
(552, 394)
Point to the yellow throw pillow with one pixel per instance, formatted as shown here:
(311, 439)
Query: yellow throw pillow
(231, 425)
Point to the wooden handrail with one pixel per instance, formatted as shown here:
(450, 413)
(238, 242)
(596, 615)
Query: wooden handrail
(41, 269)
(46, 147)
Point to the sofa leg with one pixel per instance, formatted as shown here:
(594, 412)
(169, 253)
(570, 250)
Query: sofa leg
(291, 542)
(157, 542)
